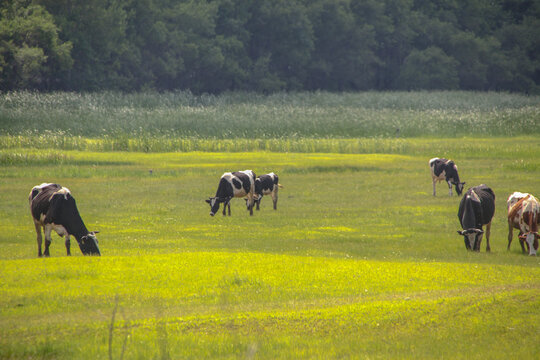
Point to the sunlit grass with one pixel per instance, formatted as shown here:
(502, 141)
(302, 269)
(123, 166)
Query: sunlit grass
(265, 299)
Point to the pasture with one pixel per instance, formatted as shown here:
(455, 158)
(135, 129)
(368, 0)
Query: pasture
(359, 260)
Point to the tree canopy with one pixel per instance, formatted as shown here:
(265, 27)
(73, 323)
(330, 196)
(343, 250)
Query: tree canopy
(270, 45)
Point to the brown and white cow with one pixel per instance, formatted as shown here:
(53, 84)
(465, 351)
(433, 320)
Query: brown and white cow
(53, 208)
(524, 215)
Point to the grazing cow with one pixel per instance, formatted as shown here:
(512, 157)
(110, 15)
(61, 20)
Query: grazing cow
(475, 210)
(266, 185)
(443, 169)
(524, 215)
(236, 184)
(53, 208)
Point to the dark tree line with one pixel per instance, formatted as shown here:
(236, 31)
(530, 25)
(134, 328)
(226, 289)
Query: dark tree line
(270, 45)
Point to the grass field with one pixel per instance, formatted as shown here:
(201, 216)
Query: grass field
(359, 260)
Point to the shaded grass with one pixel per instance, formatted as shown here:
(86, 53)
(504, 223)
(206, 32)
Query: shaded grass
(362, 205)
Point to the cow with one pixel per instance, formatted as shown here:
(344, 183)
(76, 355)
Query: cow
(235, 184)
(476, 209)
(266, 185)
(524, 215)
(53, 208)
(444, 169)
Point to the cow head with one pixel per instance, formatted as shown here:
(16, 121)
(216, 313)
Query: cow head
(256, 201)
(89, 244)
(214, 204)
(473, 238)
(531, 238)
(459, 187)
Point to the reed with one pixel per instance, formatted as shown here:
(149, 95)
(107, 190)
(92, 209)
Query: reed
(182, 115)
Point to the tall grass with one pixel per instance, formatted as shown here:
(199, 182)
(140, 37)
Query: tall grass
(282, 115)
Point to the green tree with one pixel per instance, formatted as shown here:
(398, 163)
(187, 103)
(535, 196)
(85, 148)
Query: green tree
(31, 54)
(270, 45)
(101, 52)
(344, 55)
(472, 54)
(281, 33)
(429, 69)
(395, 34)
(517, 65)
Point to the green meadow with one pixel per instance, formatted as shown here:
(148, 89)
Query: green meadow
(358, 261)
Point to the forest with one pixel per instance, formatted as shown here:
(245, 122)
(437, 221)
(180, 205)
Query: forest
(267, 46)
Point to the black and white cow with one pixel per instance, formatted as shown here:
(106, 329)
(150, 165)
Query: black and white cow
(443, 169)
(476, 209)
(53, 208)
(235, 184)
(266, 185)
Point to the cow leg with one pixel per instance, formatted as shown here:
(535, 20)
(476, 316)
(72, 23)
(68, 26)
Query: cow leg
(522, 242)
(68, 245)
(229, 207)
(48, 240)
(468, 244)
(434, 187)
(258, 202)
(449, 188)
(225, 209)
(477, 242)
(252, 204)
(488, 232)
(274, 198)
(510, 234)
(39, 238)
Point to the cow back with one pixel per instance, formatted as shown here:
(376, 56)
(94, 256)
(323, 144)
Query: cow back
(225, 187)
(247, 180)
(40, 199)
(265, 184)
(487, 199)
(477, 207)
(469, 212)
(530, 214)
(437, 166)
(63, 211)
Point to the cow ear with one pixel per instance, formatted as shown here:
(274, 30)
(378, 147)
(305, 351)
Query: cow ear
(480, 231)
(208, 201)
(95, 232)
(460, 232)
